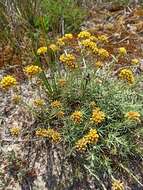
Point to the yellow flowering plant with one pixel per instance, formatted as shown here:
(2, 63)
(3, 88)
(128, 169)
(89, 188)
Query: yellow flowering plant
(71, 113)
(85, 103)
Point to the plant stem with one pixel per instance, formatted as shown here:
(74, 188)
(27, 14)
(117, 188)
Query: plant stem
(97, 178)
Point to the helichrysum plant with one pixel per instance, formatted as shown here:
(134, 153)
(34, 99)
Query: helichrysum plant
(85, 105)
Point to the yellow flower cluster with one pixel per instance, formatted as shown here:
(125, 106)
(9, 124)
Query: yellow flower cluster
(32, 70)
(90, 138)
(61, 82)
(49, 133)
(81, 144)
(103, 53)
(60, 42)
(68, 60)
(127, 75)
(39, 102)
(7, 82)
(122, 51)
(42, 132)
(56, 104)
(68, 37)
(103, 38)
(90, 44)
(42, 50)
(53, 47)
(117, 185)
(15, 131)
(84, 34)
(134, 61)
(86, 43)
(135, 116)
(77, 116)
(97, 116)
(65, 58)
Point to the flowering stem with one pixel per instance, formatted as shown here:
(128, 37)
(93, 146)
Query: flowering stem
(44, 78)
(83, 59)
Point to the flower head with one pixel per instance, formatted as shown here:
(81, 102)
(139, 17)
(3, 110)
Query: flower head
(117, 185)
(68, 60)
(77, 116)
(56, 104)
(60, 42)
(53, 135)
(86, 43)
(32, 70)
(84, 34)
(39, 102)
(97, 116)
(7, 82)
(134, 116)
(42, 50)
(15, 131)
(41, 132)
(103, 53)
(68, 37)
(81, 144)
(134, 61)
(127, 75)
(93, 47)
(122, 51)
(90, 138)
(53, 47)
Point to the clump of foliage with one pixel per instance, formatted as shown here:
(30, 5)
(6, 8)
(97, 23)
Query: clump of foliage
(87, 105)
(39, 16)
(58, 12)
